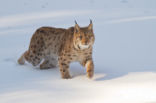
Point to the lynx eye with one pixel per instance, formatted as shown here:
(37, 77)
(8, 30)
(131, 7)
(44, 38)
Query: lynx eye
(80, 37)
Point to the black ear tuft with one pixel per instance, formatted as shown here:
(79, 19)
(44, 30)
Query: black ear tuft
(75, 22)
(90, 26)
(90, 21)
(77, 28)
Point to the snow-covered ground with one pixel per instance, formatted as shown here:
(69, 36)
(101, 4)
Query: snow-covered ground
(124, 52)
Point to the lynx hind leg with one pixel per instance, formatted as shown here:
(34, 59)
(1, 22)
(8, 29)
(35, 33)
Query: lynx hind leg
(21, 60)
(31, 57)
(49, 63)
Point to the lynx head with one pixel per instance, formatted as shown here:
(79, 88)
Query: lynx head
(83, 36)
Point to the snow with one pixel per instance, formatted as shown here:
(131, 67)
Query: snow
(124, 52)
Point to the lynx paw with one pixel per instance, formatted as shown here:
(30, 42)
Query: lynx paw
(21, 60)
(66, 75)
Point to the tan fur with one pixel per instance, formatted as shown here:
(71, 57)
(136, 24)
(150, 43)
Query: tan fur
(57, 46)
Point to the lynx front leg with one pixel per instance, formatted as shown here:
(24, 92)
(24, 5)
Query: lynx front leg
(89, 65)
(90, 68)
(64, 69)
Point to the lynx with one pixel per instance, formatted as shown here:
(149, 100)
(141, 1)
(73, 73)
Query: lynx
(59, 47)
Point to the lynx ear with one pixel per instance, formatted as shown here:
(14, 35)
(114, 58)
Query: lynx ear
(90, 26)
(77, 28)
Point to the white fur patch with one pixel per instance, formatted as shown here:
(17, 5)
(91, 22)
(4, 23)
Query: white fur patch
(86, 65)
(83, 46)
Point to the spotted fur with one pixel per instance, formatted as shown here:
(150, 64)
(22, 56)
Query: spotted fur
(57, 46)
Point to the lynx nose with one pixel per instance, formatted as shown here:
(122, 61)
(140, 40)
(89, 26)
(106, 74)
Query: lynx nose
(86, 43)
